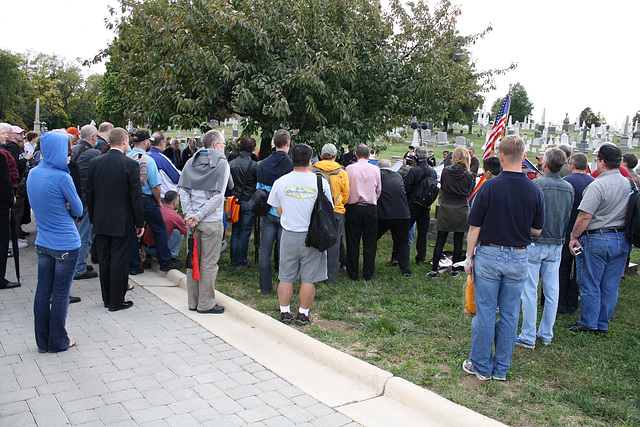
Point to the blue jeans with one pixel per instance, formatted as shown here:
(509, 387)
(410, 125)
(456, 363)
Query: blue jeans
(153, 218)
(412, 233)
(51, 301)
(240, 234)
(499, 275)
(544, 260)
(599, 270)
(271, 231)
(85, 229)
(175, 242)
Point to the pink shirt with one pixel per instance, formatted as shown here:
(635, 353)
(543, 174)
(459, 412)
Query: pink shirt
(364, 183)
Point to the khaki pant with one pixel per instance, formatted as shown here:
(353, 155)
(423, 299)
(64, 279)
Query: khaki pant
(201, 294)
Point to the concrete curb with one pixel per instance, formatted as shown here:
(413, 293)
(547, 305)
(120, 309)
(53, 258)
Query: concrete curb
(425, 402)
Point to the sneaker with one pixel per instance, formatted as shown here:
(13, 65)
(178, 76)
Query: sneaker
(467, 366)
(455, 273)
(407, 274)
(498, 378)
(524, 344)
(303, 320)
(21, 244)
(393, 262)
(576, 327)
(89, 274)
(432, 274)
(174, 265)
(286, 318)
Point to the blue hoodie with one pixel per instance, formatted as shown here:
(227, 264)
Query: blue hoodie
(50, 187)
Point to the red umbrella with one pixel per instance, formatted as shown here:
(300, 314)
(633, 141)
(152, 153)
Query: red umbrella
(195, 261)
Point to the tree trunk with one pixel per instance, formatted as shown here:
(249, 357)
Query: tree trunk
(265, 144)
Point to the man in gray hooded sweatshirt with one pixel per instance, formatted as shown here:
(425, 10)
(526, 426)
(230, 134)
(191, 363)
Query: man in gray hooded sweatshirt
(202, 185)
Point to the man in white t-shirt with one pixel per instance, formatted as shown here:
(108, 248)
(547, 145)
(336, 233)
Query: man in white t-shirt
(294, 195)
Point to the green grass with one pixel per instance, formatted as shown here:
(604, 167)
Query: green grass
(415, 328)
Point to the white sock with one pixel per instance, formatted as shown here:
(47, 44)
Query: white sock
(285, 309)
(304, 311)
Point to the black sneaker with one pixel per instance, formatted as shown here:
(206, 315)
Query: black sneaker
(89, 274)
(174, 265)
(407, 274)
(73, 300)
(303, 320)
(576, 327)
(286, 318)
(393, 262)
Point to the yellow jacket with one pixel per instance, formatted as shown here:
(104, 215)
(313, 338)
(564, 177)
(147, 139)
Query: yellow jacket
(339, 182)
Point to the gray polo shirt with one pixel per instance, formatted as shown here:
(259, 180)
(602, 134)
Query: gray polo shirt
(606, 198)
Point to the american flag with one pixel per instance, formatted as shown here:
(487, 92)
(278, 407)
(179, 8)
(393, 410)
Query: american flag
(498, 127)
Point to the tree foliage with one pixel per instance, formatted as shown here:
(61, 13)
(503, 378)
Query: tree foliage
(588, 117)
(338, 71)
(521, 106)
(66, 97)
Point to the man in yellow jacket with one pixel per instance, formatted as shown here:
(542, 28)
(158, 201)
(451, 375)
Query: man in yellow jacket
(337, 177)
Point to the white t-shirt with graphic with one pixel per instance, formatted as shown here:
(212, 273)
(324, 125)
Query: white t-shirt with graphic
(295, 193)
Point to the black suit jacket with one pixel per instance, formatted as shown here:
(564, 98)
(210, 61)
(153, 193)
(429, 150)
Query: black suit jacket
(114, 195)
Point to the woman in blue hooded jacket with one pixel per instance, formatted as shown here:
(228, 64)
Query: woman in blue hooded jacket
(54, 201)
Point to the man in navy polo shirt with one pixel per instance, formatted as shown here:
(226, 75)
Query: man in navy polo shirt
(506, 212)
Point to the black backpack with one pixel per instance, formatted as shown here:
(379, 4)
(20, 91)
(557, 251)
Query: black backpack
(323, 226)
(632, 219)
(427, 190)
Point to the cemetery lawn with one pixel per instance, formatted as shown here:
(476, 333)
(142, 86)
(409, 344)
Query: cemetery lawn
(415, 328)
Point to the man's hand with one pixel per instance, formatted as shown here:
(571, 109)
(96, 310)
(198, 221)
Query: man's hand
(139, 232)
(143, 158)
(468, 266)
(68, 206)
(191, 221)
(28, 155)
(574, 243)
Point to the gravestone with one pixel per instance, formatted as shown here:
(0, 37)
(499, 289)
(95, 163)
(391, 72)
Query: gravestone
(442, 137)
(564, 138)
(552, 130)
(537, 142)
(178, 134)
(537, 134)
(565, 124)
(416, 138)
(460, 141)
(592, 131)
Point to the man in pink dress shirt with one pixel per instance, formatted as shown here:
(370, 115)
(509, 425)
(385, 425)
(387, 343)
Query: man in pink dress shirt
(361, 218)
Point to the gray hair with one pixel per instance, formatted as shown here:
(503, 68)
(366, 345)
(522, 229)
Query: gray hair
(566, 148)
(212, 137)
(421, 153)
(105, 127)
(7, 127)
(555, 158)
(384, 163)
(87, 132)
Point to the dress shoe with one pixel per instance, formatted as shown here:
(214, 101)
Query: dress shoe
(74, 299)
(94, 259)
(216, 309)
(124, 306)
(10, 285)
(407, 274)
(86, 275)
(136, 272)
(393, 262)
(90, 267)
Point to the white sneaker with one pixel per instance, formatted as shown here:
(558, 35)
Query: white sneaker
(21, 244)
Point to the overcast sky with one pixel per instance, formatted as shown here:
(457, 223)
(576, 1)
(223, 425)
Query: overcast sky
(571, 54)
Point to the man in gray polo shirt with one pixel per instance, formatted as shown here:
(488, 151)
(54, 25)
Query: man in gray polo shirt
(599, 232)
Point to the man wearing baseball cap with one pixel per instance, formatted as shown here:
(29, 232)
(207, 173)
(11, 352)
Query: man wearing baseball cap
(75, 134)
(599, 232)
(339, 182)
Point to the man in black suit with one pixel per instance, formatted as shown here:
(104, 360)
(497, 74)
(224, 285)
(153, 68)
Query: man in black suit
(114, 200)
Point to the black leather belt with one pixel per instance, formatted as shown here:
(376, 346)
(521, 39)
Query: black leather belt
(493, 245)
(363, 204)
(605, 230)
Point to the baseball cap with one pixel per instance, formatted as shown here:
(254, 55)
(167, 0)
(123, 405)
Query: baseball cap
(142, 135)
(609, 153)
(73, 130)
(329, 150)
(17, 129)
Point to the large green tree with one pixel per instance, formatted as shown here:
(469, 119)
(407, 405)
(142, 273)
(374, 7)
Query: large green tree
(12, 85)
(521, 106)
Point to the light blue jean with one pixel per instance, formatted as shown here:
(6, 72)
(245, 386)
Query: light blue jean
(51, 301)
(85, 229)
(271, 232)
(175, 242)
(544, 260)
(599, 270)
(412, 233)
(499, 275)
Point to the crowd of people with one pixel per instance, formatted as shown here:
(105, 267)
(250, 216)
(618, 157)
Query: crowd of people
(104, 195)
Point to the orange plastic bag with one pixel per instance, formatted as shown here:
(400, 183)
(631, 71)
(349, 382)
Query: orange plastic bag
(232, 209)
(469, 296)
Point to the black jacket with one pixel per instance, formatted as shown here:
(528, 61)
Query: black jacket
(243, 171)
(392, 203)
(114, 195)
(455, 185)
(415, 175)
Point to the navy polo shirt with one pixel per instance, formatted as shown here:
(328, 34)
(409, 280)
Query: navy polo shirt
(507, 207)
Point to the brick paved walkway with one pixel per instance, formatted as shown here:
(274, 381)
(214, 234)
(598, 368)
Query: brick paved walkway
(149, 365)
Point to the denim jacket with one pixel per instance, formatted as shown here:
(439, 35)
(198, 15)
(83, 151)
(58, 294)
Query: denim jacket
(558, 199)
